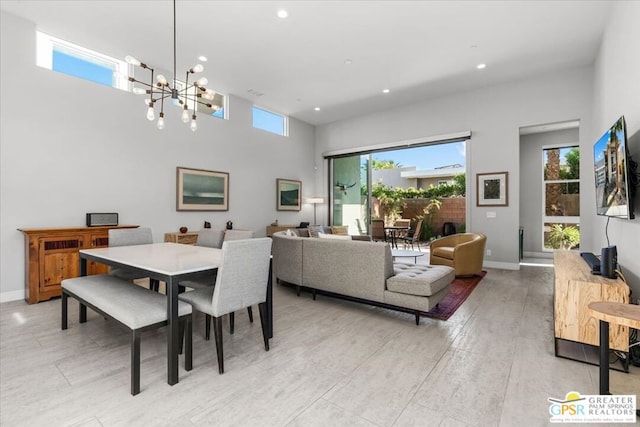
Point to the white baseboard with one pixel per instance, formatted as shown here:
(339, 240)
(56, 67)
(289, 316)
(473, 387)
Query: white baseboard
(538, 255)
(501, 265)
(12, 296)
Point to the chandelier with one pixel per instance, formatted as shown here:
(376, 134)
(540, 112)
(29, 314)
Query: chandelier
(188, 96)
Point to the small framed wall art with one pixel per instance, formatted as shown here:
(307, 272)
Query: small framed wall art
(492, 189)
(201, 190)
(288, 193)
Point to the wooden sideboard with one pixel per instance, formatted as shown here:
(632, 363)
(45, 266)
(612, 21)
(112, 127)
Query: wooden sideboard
(275, 228)
(184, 238)
(52, 255)
(575, 288)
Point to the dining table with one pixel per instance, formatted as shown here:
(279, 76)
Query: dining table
(170, 263)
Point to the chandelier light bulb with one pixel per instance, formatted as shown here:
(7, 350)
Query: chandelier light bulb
(131, 60)
(157, 87)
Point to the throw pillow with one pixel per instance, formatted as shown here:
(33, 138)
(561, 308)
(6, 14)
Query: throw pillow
(314, 230)
(340, 229)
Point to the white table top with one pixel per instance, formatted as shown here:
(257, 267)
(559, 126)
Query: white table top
(164, 258)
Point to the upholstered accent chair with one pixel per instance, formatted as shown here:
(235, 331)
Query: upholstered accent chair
(464, 252)
(130, 237)
(241, 282)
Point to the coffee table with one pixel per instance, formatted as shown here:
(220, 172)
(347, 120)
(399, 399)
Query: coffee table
(398, 253)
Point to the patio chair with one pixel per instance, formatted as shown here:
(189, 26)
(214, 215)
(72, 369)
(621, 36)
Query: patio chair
(377, 230)
(413, 236)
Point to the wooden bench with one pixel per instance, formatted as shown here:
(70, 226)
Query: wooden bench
(135, 308)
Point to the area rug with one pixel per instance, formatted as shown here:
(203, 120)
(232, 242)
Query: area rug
(461, 288)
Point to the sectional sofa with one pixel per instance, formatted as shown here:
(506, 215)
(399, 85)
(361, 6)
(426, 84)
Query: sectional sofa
(361, 271)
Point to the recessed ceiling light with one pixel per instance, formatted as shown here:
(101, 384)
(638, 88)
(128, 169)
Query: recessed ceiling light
(481, 66)
(317, 108)
(348, 62)
(282, 13)
(385, 91)
(202, 58)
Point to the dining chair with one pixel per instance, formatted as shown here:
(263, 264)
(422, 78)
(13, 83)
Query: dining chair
(213, 239)
(241, 282)
(238, 235)
(413, 236)
(131, 237)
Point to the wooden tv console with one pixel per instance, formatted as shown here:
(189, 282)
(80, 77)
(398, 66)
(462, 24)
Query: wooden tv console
(575, 288)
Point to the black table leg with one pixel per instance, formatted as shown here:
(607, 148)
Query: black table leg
(173, 333)
(604, 357)
(269, 305)
(82, 315)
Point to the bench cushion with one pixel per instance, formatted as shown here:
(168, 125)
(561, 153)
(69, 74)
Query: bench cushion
(422, 280)
(134, 306)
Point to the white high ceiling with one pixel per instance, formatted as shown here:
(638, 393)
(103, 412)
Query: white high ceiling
(417, 49)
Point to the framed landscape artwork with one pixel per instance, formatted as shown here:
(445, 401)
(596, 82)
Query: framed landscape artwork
(202, 190)
(492, 189)
(288, 193)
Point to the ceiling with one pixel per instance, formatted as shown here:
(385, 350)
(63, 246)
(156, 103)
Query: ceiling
(335, 55)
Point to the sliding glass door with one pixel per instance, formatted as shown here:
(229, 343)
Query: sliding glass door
(350, 192)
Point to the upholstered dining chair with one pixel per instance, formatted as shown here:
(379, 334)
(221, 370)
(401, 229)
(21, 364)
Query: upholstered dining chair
(213, 239)
(241, 282)
(130, 237)
(238, 234)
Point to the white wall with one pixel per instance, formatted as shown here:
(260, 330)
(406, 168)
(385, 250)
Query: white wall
(71, 146)
(494, 115)
(617, 93)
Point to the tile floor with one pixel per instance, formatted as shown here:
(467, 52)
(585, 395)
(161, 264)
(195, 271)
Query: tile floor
(331, 363)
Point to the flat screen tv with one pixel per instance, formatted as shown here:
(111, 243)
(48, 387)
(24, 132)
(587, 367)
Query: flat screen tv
(615, 173)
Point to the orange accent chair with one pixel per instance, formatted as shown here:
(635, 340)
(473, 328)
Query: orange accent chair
(464, 252)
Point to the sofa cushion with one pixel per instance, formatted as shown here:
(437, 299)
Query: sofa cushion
(443, 252)
(423, 280)
(334, 236)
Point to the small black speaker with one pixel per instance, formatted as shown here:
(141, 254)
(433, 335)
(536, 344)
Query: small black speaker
(102, 219)
(609, 262)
